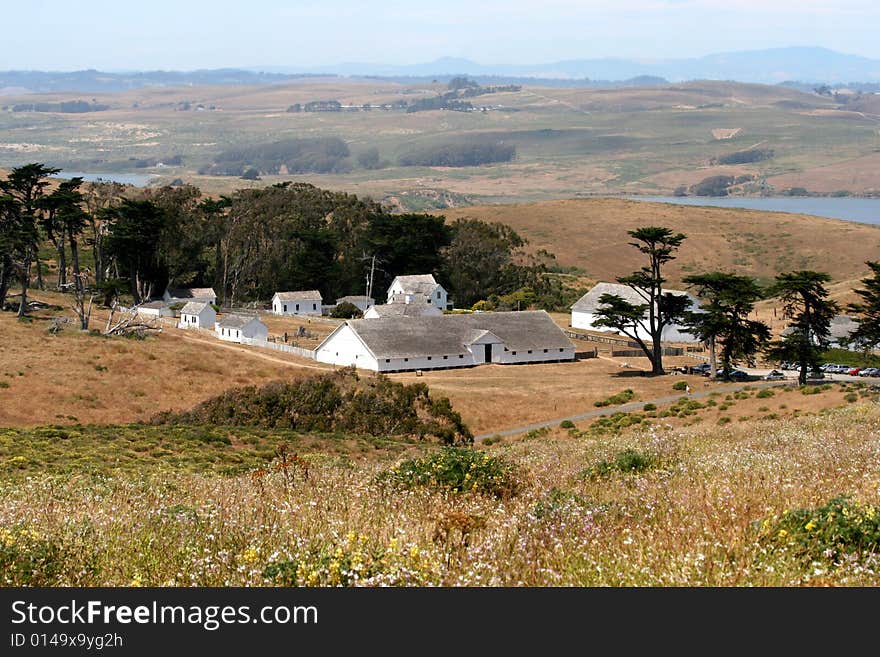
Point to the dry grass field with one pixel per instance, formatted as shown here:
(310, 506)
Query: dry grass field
(591, 234)
(569, 142)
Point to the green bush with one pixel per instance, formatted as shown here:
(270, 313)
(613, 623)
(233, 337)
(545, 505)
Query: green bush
(765, 393)
(629, 460)
(457, 469)
(615, 400)
(566, 424)
(680, 385)
(723, 420)
(649, 407)
(850, 397)
(841, 527)
(27, 559)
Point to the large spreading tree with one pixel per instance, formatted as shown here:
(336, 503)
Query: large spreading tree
(805, 302)
(867, 310)
(659, 309)
(726, 302)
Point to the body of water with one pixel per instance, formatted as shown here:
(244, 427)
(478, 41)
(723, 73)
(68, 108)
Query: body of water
(136, 179)
(848, 208)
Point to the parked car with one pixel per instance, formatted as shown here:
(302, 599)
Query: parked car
(854, 371)
(773, 375)
(816, 374)
(869, 371)
(702, 368)
(734, 375)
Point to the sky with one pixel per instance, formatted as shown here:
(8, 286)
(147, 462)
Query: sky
(60, 35)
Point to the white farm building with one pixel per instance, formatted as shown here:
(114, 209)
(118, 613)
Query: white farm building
(204, 294)
(154, 309)
(583, 312)
(395, 344)
(402, 310)
(299, 302)
(197, 314)
(233, 328)
(418, 289)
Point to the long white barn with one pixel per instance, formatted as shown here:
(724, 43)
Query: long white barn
(395, 344)
(583, 312)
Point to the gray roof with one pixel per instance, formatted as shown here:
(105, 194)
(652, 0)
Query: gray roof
(156, 305)
(235, 321)
(841, 326)
(590, 301)
(192, 293)
(299, 295)
(392, 337)
(416, 284)
(355, 297)
(404, 310)
(194, 307)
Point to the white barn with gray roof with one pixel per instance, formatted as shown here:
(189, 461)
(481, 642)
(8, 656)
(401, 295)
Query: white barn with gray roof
(232, 328)
(298, 302)
(395, 344)
(583, 312)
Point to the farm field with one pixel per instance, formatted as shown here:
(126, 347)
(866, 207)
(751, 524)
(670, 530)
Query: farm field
(569, 142)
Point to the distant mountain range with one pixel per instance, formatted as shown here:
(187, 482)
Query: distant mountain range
(773, 66)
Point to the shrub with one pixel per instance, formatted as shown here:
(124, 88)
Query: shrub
(723, 420)
(841, 527)
(566, 424)
(457, 469)
(680, 385)
(649, 407)
(4, 384)
(27, 559)
(629, 460)
(850, 397)
(345, 310)
(615, 400)
(337, 401)
(765, 393)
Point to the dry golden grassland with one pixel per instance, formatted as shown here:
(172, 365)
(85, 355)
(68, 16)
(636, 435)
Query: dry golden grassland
(747, 504)
(592, 234)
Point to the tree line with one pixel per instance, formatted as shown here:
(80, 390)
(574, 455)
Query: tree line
(111, 242)
(726, 303)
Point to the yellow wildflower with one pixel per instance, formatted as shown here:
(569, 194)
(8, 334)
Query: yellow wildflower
(810, 526)
(782, 533)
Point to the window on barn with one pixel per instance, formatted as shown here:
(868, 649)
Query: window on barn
(429, 357)
(438, 294)
(529, 351)
(545, 351)
(285, 307)
(513, 352)
(445, 357)
(297, 307)
(314, 306)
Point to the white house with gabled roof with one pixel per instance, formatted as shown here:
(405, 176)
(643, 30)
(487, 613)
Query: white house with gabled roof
(233, 328)
(418, 289)
(298, 302)
(197, 314)
(394, 344)
(584, 311)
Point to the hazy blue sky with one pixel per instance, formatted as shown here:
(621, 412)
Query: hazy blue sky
(189, 34)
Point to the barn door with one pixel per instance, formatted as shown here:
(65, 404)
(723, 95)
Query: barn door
(488, 353)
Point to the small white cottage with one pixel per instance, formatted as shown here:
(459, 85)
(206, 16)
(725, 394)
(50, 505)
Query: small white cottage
(394, 344)
(204, 294)
(402, 310)
(233, 328)
(418, 289)
(299, 302)
(197, 314)
(583, 311)
(154, 309)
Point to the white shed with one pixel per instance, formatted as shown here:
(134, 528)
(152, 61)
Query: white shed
(394, 344)
(402, 310)
(299, 302)
(154, 309)
(418, 288)
(197, 314)
(583, 312)
(233, 328)
(204, 294)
